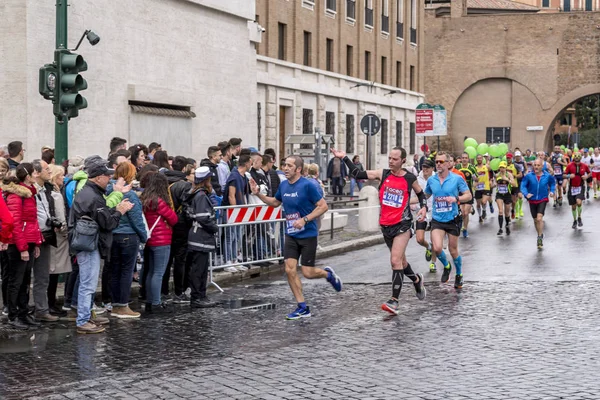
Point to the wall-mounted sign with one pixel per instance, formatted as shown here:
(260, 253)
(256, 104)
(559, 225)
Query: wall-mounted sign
(431, 120)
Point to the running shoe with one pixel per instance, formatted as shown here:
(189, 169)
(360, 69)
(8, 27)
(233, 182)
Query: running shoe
(579, 222)
(491, 208)
(458, 282)
(428, 253)
(540, 242)
(446, 274)
(390, 306)
(472, 211)
(574, 224)
(522, 214)
(420, 290)
(483, 214)
(335, 280)
(587, 195)
(595, 195)
(499, 232)
(465, 233)
(512, 214)
(560, 202)
(299, 313)
(432, 268)
(555, 203)
(507, 231)
(480, 218)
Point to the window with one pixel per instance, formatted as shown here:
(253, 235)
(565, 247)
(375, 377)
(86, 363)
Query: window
(400, 20)
(384, 70)
(330, 6)
(330, 123)
(412, 78)
(588, 5)
(349, 60)
(398, 74)
(384, 136)
(369, 13)
(307, 48)
(349, 133)
(307, 121)
(545, 3)
(258, 119)
(413, 21)
(367, 65)
(385, 17)
(310, 4)
(329, 60)
(566, 119)
(413, 139)
(497, 135)
(399, 134)
(567, 5)
(281, 34)
(351, 10)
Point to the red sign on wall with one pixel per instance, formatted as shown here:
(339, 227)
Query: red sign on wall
(424, 121)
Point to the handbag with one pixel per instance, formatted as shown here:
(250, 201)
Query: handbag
(85, 235)
(149, 230)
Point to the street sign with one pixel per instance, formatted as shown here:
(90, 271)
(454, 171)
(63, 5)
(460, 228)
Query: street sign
(370, 124)
(430, 120)
(535, 128)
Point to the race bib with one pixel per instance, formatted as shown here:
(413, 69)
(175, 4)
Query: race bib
(441, 205)
(480, 186)
(575, 190)
(502, 188)
(290, 219)
(558, 170)
(393, 197)
(530, 168)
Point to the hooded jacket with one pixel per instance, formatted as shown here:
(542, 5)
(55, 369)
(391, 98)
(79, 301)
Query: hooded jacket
(539, 188)
(201, 236)
(163, 232)
(6, 220)
(21, 203)
(214, 179)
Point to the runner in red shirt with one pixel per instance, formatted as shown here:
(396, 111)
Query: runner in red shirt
(577, 173)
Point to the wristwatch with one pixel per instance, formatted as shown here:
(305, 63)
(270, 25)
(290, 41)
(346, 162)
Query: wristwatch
(305, 220)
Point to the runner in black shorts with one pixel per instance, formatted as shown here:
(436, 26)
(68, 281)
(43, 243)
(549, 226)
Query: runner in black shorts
(395, 217)
(422, 226)
(470, 173)
(504, 181)
(537, 187)
(303, 205)
(576, 173)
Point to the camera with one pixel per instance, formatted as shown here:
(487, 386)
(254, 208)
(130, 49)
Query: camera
(54, 223)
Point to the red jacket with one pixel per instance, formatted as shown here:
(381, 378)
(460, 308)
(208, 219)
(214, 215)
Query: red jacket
(21, 203)
(163, 231)
(7, 221)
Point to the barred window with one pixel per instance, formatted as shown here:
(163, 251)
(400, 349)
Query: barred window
(307, 121)
(349, 133)
(384, 136)
(413, 139)
(399, 134)
(330, 123)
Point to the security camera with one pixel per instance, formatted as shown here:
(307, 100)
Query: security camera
(93, 38)
(261, 28)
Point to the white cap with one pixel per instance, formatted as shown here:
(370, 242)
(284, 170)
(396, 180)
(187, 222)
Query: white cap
(517, 153)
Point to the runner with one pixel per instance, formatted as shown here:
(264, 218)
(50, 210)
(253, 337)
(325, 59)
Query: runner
(587, 160)
(422, 226)
(469, 171)
(558, 164)
(505, 181)
(537, 187)
(514, 187)
(596, 170)
(491, 178)
(577, 173)
(482, 186)
(522, 169)
(303, 205)
(447, 190)
(395, 218)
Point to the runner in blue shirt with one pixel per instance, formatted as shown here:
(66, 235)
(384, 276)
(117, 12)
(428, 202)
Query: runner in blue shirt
(303, 204)
(448, 190)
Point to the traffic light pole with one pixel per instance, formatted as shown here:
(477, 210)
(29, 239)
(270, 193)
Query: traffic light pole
(61, 127)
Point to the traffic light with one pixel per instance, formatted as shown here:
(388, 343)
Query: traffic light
(67, 100)
(48, 76)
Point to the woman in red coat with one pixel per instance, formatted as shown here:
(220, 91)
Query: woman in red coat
(160, 218)
(24, 244)
(6, 228)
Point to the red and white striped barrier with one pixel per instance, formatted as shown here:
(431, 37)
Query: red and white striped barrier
(253, 214)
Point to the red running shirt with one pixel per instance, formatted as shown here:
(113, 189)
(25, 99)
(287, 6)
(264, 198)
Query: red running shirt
(394, 197)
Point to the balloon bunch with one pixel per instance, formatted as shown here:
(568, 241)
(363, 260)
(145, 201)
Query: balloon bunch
(497, 151)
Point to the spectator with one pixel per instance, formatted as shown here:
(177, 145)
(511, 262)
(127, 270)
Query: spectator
(161, 160)
(236, 148)
(354, 182)
(138, 156)
(271, 152)
(118, 157)
(60, 262)
(337, 173)
(416, 162)
(313, 177)
(117, 144)
(214, 158)
(259, 177)
(235, 193)
(90, 203)
(161, 218)
(125, 245)
(425, 156)
(47, 222)
(280, 172)
(23, 246)
(3, 151)
(223, 169)
(271, 174)
(201, 237)
(16, 153)
(6, 219)
(48, 156)
(152, 149)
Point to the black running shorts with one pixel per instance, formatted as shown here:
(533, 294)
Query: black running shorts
(573, 199)
(536, 209)
(391, 231)
(506, 198)
(421, 226)
(480, 193)
(450, 227)
(307, 248)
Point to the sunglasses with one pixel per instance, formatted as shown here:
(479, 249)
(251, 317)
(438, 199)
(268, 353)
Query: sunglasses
(439, 161)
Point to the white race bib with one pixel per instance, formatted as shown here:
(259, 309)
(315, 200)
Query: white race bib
(393, 197)
(442, 206)
(575, 190)
(558, 170)
(290, 219)
(502, 188)
(480, 186)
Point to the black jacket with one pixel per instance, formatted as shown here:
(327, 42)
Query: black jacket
(201, 236)
(214, 180)
(12, 164)
(274, 181)
(90, 201)
(179, 187)
(49, 209)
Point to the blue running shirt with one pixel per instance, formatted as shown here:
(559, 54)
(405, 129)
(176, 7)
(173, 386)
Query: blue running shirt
(299, 200)
(453, 186)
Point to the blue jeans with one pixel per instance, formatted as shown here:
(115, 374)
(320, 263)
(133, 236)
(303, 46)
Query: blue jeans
(157, 265)
(89, 271)
(233, 236)
(123, 255)
(353, 184)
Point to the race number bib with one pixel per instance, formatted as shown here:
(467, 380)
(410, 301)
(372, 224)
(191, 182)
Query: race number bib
(290, 219)
(393, 197)
(558, 170)
(502, 188)
(530, 168)
(480, 186)
(441, 205)
(575, 190)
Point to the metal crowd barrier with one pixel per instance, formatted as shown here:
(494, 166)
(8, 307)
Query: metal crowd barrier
(248, 234)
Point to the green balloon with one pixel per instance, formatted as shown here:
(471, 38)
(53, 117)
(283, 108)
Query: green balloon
(494, 150)
(471, 152)
(470, 142)
(495, 164)
(482, 148)
(576, 149)
(562, 147)
(503, 148)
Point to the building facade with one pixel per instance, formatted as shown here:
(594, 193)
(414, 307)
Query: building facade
(178, 72)
(324, 64)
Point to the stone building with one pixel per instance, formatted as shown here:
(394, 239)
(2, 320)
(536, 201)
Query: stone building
(179, 72)
(323, 64)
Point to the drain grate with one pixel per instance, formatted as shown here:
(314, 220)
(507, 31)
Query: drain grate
(244, 304)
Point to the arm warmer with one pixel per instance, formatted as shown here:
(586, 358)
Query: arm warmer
(354, 171)
(422, 199)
